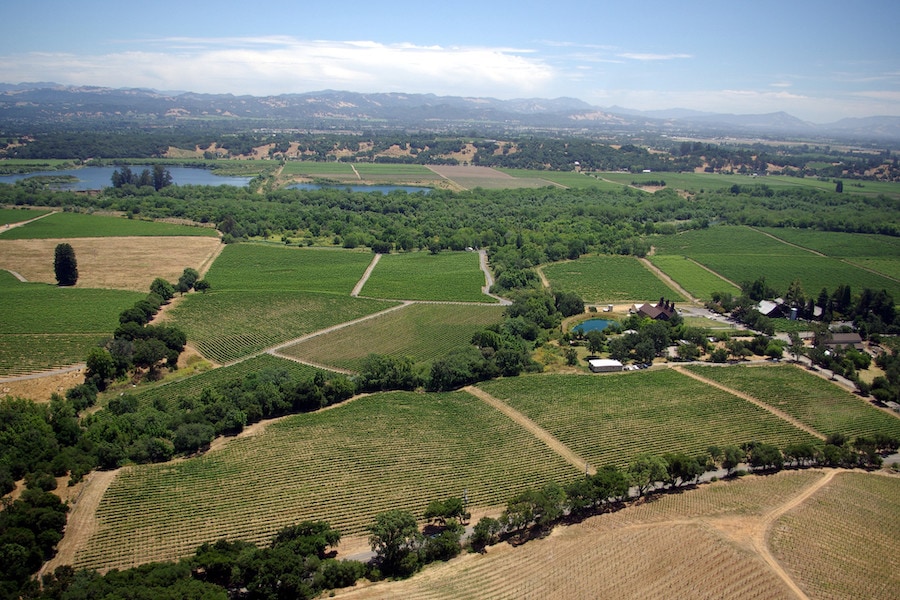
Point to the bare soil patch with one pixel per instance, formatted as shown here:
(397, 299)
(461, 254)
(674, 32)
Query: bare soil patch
(125, 263)
(40, 389)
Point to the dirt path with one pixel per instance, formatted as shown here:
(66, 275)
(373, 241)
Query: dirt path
(489, 278)
(778, 239)
(355, 171)
(22, 223)
(533, 428)
(16, 275)
(668, 280)
(82, 520)
(540, 273)
(359, 284)
(778, 413)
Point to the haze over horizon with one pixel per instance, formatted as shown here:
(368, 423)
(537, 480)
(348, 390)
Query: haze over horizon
(820, 61)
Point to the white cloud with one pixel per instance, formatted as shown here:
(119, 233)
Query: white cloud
(650, 56)
(281, 65)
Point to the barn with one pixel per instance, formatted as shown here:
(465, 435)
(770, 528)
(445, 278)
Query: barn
(604, 365)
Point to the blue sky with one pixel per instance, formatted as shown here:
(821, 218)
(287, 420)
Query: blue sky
(819, 60)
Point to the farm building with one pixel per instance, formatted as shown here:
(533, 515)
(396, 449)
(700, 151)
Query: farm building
(774, 309)
(662, 310)
(845, 340)
(604, 365)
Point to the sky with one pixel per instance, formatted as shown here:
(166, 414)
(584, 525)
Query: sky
(819, 60)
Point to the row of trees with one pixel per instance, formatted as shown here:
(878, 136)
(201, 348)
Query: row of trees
(158, 178)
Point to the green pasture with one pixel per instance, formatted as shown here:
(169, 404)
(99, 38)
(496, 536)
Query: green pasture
(317, 169)
(839, 244)
(610, 419)
(810, 399)
(422, 332)
(608, 278)
(63, 225)
(260, 267)
(387, 171)
(14, 215)
(446, 276)
(691, 276)
(44, 326)
(344, 465)
(228, 325)
(192, 387)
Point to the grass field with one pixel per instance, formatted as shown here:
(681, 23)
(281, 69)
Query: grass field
(422, 332)
(810, 399)
(44, 326)
(691, 276)
(227, 325)
(257, 267)
(13, 215)
(608, 278)
(839, 244)
(852, 521)
(78, 225)
(191, 387)
(569, 179)
(343, 465)
(447, 276)
(611, 419)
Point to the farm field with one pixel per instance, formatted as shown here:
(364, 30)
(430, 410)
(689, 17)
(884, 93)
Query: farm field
(889, 267)
(490, 179)
(78, 225)
(839, 244)
(611, 419)
(192, 387)
(228, 325)
(693, 544)
(691, 276)
(13, 215)
(447, 276)
(608, 278)
(344, 465)
(121, 263)
(422, 332)
(724, 239)
(852, 521)
(810, 399)
(44, 326)
(257, 267)
(569, 179)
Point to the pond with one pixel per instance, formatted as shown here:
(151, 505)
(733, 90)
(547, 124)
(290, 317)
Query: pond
(592, 325)
(384, 189)
(95, 178)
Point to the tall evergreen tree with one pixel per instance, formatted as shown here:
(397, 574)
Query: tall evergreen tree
(64, 265)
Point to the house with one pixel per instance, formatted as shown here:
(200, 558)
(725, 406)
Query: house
(604, 365)
(845, 340)
(662, 310)
(773, 309)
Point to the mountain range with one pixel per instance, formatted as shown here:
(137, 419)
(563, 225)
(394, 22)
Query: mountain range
(53, 103)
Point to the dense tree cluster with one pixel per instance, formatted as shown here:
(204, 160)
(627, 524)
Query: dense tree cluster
(65, 266)
(158, 178)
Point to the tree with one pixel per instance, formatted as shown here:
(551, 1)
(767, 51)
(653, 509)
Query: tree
(64, 265)
(596, 340)
(395, 539)
(161, 177)
(100, 367)
(796, 345)
(201, 285)
(163, 289)
(645, 470)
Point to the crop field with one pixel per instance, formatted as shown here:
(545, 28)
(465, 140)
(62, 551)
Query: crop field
(387, 173)
(889, 267)
(810, 399)
(192, 387)
(422, 332)
(13, 215)
(447, 276)
(611, 419)
(228, 325)
(472, 177)
(318, 169)
(257, 267)
(668, 548)
(725, 239)
(608, 278)
(851, 521)
(343, 465)
(77, 225)
(123, 263)
(691, 276)
(839, 244)
(569, 179)
(44, 326)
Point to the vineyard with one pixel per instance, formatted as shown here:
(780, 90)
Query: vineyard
(229, 325)
(839, 244)
(191, 387)
(344, 465)
(691, 276)
(78, 225)
(13, 215)
(256, 267)
(422, 332)
(852, 521)
(611, 419)
(669, 548)
(808, 398)
(608, 279)
(447, 276)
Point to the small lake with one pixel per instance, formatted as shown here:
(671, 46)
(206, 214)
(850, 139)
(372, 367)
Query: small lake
(95, 178)
(384, 189)
(592, 325)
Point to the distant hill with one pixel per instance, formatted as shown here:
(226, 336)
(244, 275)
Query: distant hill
(42, 102)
